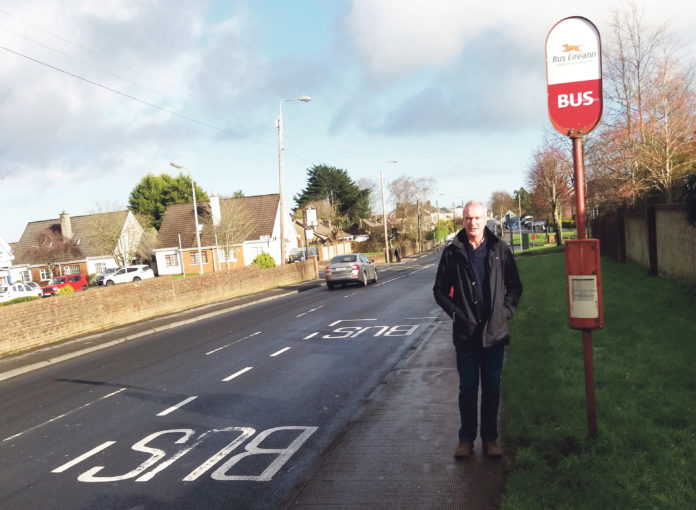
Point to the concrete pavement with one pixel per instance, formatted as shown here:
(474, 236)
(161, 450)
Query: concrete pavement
(397, 453)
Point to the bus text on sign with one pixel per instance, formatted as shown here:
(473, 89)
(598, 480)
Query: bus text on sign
(574, 76)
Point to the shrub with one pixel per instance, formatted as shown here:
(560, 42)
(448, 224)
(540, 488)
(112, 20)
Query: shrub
(264, 260)
(568, 223)
(65, 290)
(19, 300)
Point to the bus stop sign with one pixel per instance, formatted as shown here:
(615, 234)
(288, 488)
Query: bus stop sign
(574, 76)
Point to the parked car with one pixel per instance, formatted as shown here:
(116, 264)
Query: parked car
(17, 290)
(35, 288)
(351, 268)
(76, 281)
(107, 272)
(129, 274)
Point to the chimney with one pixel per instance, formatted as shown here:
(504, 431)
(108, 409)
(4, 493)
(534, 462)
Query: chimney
(215, 209)
(65, 225)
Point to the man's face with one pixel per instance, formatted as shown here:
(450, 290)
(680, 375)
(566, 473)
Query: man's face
(474, 221)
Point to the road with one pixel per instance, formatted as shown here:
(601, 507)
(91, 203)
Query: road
(227, 412)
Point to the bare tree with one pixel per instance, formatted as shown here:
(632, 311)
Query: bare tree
(50, 248)
(549, 178)
(117, 232)
(375, 198)
(234, 226)
(500, 203)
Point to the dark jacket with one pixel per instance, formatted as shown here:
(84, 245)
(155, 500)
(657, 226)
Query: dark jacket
(455, 272)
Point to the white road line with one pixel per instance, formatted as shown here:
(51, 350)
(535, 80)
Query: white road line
(64, 414)
(311, 335)
(349, 320)
(82, 457)
(232, 343)
(280, 352)
(420, 318)
(237, 374)
(312, 310)
(177, 406)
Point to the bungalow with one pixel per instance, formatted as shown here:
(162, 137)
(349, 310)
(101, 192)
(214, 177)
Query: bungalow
(85, 244)
(232, 232)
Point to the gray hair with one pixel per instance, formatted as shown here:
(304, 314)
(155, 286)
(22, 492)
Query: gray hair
(476, 203)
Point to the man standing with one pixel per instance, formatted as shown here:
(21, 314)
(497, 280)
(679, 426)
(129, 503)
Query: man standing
(477, 285)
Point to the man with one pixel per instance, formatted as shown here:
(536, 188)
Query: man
(477, 284)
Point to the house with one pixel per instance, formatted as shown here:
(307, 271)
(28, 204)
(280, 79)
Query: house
(409, 217)
(232, 231)
(81, 244)
(6, 257)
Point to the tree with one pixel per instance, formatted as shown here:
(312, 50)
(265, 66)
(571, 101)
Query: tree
(233, 227)
(549, 178)
(375, 196)
(335, 186)
(500, 203)
(406, 193)
(118, 233)
(50, 248)
(153, 194)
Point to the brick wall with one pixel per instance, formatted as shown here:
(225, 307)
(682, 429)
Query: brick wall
(35, 323)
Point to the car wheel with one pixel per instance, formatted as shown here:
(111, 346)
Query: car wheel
(84, 287)
(375, 279)
(330, 286)
(136, 279)
(109, 283)
(364, 279)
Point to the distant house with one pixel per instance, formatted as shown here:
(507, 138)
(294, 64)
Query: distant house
(82, 244)
(6, 257)
(233, 232)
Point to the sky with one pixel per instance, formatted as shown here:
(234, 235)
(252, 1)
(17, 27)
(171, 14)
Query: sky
(95, 95)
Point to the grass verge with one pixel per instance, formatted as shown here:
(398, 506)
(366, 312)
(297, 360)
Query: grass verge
(644, 456)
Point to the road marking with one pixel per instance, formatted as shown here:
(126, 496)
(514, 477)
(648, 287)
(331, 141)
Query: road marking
(177, 406)
(64, 415)
(311, 335)
(232, 343)
(312, 310)
(349, 295)
(420, 318)
(237, 374)
(384, 282)
(349, 320)
(280, 352)
(82, 457)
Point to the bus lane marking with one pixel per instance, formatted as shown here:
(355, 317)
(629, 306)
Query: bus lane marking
(177, 406)
(236, 374)
(64, 415)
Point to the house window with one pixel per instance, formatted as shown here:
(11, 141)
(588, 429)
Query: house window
(26, 276)
(222, 258)
(100, 267)
(194, 257)
(71, 269)
(171, 260)
(45, 274)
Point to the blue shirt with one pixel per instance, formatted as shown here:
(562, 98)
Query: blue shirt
(477, 259)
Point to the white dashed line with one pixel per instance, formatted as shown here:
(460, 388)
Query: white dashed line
(236, 374)
(280, 352)
(177, 406)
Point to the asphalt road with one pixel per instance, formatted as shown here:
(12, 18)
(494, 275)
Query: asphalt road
(227, 412)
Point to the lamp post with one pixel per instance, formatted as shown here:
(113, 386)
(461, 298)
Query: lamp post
(281, 200)
(387, 254)
(195, 215)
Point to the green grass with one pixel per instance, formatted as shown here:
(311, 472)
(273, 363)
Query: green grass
(644, 456)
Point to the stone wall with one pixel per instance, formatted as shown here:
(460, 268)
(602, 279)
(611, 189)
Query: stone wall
(39, 322)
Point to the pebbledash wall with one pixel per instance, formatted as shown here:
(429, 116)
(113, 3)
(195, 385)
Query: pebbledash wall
(40, 322)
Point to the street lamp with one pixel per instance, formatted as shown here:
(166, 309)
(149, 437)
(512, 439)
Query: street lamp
(281, 201)
(195, 215)
(387, 254)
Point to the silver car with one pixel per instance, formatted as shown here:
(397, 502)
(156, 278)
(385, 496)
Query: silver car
(350, 268)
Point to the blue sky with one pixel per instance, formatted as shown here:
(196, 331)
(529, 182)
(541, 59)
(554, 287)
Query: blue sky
(453, 90)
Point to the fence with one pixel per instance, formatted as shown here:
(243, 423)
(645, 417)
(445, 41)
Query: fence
(657, 237)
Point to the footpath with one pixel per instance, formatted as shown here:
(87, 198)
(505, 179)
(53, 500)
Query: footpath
(396, 453)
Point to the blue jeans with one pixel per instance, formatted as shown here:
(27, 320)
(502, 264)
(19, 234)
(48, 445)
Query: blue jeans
(489, 364)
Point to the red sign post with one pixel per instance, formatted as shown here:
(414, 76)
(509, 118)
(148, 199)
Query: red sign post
(574, 92)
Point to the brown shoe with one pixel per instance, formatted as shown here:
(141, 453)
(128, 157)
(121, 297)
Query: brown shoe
(463, 450)
(492, 449)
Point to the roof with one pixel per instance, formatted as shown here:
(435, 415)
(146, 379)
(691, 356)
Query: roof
(259, 210)
(82, 227)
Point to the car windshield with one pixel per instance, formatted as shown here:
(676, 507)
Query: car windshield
(56, 281)
(340, 259)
